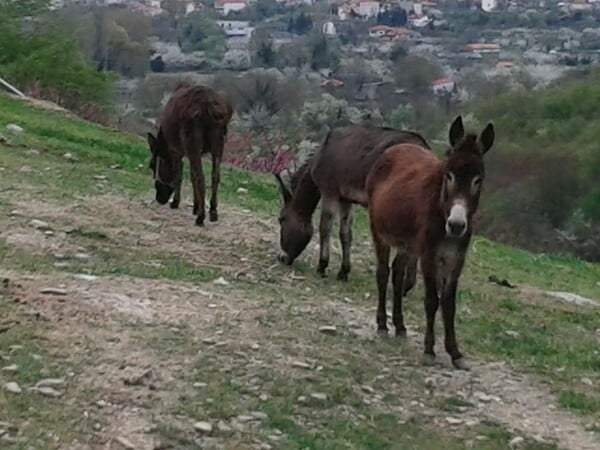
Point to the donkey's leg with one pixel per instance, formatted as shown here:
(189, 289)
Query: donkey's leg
(328, 210)
(215, 178)
(448, 313)
(410, 277)
(431, 306)
(178, 167)
(199, 187)
(398, 269)
(345, 239)
(382, 274)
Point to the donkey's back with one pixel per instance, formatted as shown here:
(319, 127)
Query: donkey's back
(340, 168)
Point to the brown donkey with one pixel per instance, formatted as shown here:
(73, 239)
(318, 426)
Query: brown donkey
(194, 122)
(423, 207)
(336, 173)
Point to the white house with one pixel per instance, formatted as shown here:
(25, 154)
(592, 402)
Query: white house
(489, 5)
(235, 28)
(368, 9)
(227, 6)
(328, 29)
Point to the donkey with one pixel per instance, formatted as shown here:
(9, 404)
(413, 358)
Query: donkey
(423, 207)
(337, 173)
(194, 122)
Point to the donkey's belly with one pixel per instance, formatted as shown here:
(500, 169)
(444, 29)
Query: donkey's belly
(354, 195)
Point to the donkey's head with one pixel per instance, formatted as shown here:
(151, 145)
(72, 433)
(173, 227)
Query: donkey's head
(162, 167)
(463, 176)
(295, 232)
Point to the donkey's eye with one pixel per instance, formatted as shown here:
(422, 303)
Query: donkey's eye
(476, 184)
(449, 177)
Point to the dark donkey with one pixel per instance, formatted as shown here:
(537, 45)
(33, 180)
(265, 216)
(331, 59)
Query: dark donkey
(194, 122)
(337, 174)
(423, 207)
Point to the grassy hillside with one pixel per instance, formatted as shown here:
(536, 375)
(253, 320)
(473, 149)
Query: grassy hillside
(546, 164)
(247, 357)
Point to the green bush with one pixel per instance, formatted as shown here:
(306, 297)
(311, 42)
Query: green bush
(47, 63)
(197, 32)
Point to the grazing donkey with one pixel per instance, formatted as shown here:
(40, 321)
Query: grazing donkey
(194, 122)
(423, 207)
(336, 173)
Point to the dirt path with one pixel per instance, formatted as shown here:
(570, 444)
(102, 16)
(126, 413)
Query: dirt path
(134, 344)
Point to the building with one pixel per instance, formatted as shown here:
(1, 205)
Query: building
(227, 6)
(443, 86)
(235, 28)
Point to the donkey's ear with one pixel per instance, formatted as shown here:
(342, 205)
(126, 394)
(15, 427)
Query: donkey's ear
(285, 192)
(457, 131)
(486, 138)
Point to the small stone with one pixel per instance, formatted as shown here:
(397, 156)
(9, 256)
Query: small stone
(319, 396)
(97, 426)
(62, 265)
(255, 346)
(429, 382)
(32, 152)
(14, 129)
(125, 443)
(53, 291)
(49, 382)
(516, 441)
(49, 233)
(116, 166)
(48, 392)
(100, 177)
(483, 397)
(242, 190)
(209, 341)
(39, 224)
(512, 333)
(85, 277)
(328, 329)
(259, 415)
(199, 385)
(301, 365)
(11, 368)
(223, 427)
(263, 397)
(221, 282)
(82, 256)
(13, 387)
(587, 381)
(302, 399)
(243, 418)
(265, 446)
(454, 420)
(203, 427)
(101, 403)
(69, 157)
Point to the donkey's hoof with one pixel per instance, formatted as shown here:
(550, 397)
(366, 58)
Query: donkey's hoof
(382, 332)
(342, 275)
(461, 364)
(428, 359)
(213, 216)
(200, 221)
(174, 204)
(401, 334)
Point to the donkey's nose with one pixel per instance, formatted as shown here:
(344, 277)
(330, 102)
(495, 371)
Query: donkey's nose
(456, 227)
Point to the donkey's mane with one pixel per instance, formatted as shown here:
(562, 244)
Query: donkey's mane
(299, 174)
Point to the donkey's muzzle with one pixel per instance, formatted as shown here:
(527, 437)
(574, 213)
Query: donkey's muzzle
(163, 192)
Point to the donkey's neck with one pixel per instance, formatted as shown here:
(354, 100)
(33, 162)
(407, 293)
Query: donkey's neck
(306, 196)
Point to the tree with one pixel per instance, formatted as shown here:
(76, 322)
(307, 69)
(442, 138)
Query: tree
(197, 32)
(395, 17)
(415, 74)
(301, 24)
(262, 50)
